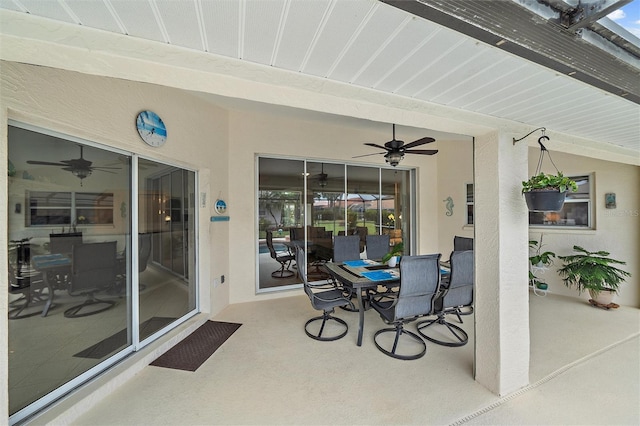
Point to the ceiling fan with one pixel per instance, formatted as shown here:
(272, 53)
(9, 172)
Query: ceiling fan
(395, 149)
(79, 167)
(323, 178)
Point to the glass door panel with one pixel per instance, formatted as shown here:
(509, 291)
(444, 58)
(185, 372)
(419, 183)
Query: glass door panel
(68, 229)
(395, 206)
(166, 255)
(281, 210)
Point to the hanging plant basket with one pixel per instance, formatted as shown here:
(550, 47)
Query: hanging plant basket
(545, 200)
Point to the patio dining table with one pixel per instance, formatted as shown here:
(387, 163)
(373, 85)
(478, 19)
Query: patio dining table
(360, 275)
(363, 274)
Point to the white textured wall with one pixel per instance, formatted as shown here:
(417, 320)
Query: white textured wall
(254, 133)
(455, 169)
(617, 230)
(501, 272)
(103, 110)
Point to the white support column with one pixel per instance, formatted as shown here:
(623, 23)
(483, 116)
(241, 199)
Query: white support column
(501, 264)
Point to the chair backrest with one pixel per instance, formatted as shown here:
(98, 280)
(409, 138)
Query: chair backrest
(460, 289)
(419, 283)
(302, 272)
(63, 243)
(346, 247)
(362, 231)
(93, 267)
(144, 251)
(462, 243)
(272, 250)
(296, 234)
(377, 246)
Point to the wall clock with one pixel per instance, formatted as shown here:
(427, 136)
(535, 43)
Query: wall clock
(220, 206)
(151, 128)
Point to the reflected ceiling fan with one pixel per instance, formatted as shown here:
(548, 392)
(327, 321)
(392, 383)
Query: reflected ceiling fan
(395, 149)
(79, 167)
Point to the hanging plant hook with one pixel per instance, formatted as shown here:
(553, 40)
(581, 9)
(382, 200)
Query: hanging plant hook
(533, 131)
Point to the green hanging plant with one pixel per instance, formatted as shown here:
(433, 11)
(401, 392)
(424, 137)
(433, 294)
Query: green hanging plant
(543, 182)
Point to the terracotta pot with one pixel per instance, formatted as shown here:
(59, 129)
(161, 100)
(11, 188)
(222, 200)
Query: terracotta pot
(604, 297)
(545, 201)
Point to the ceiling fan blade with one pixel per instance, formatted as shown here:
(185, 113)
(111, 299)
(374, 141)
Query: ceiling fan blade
(367, 155)
(99, 169)
(46, 163)
(422, 151)
(419, 142)
(377, 146)
(105, 167)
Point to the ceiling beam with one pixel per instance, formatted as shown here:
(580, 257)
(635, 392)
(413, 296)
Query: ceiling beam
(589, 11)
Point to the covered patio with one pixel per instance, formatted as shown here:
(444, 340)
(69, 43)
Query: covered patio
(585, 364)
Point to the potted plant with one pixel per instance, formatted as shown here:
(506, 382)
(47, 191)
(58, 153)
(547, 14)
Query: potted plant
(539, 261)
(593, 271)
(391, 258)
(545, 192)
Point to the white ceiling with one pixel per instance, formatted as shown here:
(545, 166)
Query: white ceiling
(366, 43)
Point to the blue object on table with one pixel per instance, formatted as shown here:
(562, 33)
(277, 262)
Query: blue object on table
(50, 260)
(385, 275)
(359, 263)
(444, 271)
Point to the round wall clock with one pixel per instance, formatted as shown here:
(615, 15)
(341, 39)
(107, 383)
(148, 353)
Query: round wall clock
(151, 128)
(220, 206)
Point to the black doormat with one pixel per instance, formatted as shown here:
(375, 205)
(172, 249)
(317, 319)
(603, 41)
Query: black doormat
(119, 340)
(197, 347)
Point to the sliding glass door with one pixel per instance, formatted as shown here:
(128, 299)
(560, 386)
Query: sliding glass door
(83, 292)
(309, 202)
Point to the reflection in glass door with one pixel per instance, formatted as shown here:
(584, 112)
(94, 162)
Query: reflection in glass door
(166, 261)
(75, 306)
(309, 202)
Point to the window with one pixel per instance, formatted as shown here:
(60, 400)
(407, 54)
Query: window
(66, 208)
(469, 204)
(576, 212)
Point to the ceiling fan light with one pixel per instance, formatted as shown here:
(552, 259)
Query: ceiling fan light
(81, 173)
(394, 158)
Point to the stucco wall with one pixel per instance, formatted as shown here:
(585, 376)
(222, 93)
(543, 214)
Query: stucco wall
(254, 133)
(616, 230)
(455, 170)
(103, 110)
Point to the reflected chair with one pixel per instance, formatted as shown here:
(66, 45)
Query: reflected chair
(144, 253)
(362, 232)
(63, 243)
(326, 301)
(28, 283)
(458, 293)
(377, 246)
(284, 259)
(419, 285)
(94, 268)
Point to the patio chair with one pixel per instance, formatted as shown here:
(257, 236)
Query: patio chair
(326, 301)
(458, 293)
(346, 247)
(419, 284)
(377, 246)
(283, 258)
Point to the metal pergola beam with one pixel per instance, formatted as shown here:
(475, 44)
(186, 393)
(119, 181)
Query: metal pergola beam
(589, 11)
